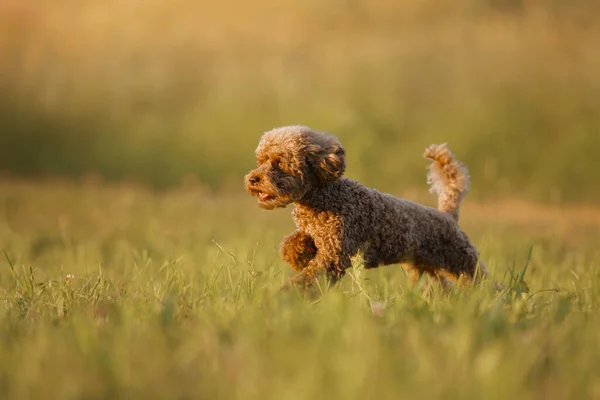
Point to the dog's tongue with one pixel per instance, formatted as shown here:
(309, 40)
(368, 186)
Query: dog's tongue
(263, 196)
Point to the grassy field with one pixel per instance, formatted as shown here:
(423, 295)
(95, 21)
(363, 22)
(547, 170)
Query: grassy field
(132, 265)
(116, 292)
(153, 91)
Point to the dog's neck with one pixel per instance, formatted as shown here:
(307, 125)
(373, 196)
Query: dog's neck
(314, 198)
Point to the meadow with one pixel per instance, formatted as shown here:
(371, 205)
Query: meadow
(119, 292)
(134, 266)
(156, 92)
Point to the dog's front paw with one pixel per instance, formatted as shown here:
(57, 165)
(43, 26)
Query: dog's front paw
(301, 281)
(298, 249)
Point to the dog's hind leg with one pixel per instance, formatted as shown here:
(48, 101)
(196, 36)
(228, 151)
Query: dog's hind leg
(412, 272)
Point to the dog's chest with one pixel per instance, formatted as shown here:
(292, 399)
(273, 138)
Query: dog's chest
(311, 220)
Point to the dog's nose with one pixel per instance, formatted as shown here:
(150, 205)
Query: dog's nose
(254, 179)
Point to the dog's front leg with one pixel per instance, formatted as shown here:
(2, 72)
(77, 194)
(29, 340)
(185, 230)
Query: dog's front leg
(298, 249)
(333, 263)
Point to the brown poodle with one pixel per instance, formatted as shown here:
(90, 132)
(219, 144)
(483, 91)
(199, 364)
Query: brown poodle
(338, 217)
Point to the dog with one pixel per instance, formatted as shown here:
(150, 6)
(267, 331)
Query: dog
(337, 217)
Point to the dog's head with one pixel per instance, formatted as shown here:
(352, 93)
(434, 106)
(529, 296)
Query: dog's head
(291, 161)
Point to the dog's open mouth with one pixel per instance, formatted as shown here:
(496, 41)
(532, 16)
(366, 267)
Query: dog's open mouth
(262, 196)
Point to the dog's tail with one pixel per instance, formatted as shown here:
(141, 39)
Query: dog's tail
(448, 178)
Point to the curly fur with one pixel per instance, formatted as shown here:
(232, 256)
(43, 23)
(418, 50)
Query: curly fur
(337, 217)
(448, 178)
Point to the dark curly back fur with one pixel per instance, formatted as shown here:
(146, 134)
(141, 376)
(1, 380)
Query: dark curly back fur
(338, 217)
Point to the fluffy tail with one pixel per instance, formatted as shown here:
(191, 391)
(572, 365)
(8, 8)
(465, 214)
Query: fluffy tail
(448, 178)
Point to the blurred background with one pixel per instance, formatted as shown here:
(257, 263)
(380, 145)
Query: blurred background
(164, 93)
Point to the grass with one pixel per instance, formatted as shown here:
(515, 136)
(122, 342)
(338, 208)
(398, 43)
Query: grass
(118, 292)
(153, 91)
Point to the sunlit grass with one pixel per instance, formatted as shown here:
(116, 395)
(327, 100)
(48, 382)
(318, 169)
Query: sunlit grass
(120, 292)
(116, 292)
(154, 91)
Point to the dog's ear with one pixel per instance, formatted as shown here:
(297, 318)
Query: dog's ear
(326, 158)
